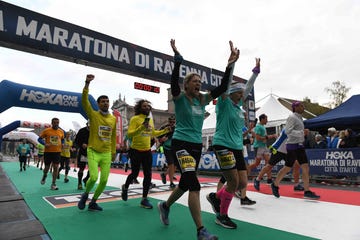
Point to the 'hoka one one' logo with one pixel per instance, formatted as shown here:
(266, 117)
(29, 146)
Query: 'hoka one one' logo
(49, 98)
(339, 155)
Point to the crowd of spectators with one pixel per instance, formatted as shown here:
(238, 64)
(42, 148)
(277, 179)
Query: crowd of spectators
(346, 138)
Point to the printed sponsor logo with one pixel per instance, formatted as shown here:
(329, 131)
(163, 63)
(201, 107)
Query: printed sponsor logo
(49, 98)
(71, 200)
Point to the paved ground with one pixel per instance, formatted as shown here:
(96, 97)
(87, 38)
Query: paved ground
(16, 218)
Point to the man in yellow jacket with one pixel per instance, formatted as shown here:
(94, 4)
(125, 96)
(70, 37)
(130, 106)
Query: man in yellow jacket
(141, 130)
(101, 147)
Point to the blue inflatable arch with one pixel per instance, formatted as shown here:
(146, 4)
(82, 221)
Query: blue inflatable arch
(19, 95)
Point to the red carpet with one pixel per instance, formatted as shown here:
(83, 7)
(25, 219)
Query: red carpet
(327, 195)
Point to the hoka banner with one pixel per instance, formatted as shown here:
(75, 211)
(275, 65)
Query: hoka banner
(19, 95)
(336, 162)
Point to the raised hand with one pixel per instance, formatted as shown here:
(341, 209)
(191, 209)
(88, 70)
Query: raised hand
(89, 77)
(234, 55)
(172, 43)
(257, 62)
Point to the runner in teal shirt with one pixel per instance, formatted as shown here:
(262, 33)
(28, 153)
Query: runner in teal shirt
(187, 139)
(228, 146)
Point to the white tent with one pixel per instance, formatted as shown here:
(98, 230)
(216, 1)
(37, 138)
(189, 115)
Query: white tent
(17, 135)
(275, 111)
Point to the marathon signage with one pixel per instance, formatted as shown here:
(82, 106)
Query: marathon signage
(25, 30)
(340, 161)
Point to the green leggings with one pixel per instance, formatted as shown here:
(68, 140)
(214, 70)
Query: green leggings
(96, 160)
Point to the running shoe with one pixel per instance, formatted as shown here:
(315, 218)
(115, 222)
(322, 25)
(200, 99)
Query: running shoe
(163, 178)
(225, 222)
(311, 195)
(66, 180)
(54, 187)
(172, 185)
(215, 202)
(298, 188)
(93, 206)
(203, 234)
(247, 201)
(146, 204)
(275, 190)
(82, 202)
(124, 193)
(164, 212)
(256, 184)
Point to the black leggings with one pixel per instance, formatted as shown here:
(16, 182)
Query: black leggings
(64, 164)
(144, 159)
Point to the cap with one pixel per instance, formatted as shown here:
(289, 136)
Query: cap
(295, 104)
(236, 87)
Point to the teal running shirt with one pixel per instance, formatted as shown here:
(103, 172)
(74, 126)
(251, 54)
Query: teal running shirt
(259, 130)
(189, 118)
(229, 123)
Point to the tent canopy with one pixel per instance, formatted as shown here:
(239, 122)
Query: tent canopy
(274, 110)
(346, 115)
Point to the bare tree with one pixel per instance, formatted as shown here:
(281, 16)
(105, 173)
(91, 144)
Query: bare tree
(338, 93)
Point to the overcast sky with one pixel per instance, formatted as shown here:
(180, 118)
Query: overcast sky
(304, 46)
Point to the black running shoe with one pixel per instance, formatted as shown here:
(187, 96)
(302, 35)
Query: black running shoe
(275, 190)
(215, 202)
(225, 222)
(256, 184)
(124, 193)
(82, 202)
(311, 195)
(93, 206)
(163, 178)
(247, 201)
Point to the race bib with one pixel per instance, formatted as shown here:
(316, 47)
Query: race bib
(186, 161)
(226, 159)
(54, 140)
(104, 133)
(83, 158)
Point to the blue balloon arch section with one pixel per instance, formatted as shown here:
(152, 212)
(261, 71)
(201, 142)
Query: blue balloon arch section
(20, 95)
